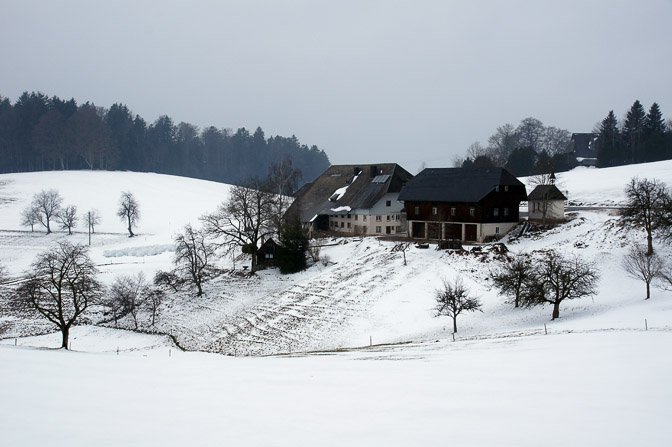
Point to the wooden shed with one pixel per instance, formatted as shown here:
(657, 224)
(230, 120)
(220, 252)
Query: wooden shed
(266, 253)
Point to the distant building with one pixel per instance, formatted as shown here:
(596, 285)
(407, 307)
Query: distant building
(469, 204)
(583, 148)
(546, 202)
(354, 199)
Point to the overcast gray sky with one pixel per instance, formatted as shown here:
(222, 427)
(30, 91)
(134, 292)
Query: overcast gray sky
(366, 81)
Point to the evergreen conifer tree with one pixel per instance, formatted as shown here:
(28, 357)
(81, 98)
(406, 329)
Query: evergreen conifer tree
(291, 254)
(609, 147)
(656, 145)
(633, 129)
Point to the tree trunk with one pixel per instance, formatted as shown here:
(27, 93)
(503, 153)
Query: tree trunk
(649, 244)
(648, 290)
(556, 310)
(455, 324)
(130, 230)
(65, 331)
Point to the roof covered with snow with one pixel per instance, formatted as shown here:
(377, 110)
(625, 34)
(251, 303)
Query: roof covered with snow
(345, 187)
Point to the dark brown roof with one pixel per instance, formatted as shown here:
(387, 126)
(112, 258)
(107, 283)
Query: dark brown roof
(458, 184)
(546, 192)
(360, 187)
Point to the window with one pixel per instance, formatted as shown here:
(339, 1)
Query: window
(388, 203)
(379, 218)
(506, 211)
(506, 188)
(364, 218)
(495, 212)
(398, 229)
(348, 216)
(388, 218)
(496, 230)
(342, 224)
(497, 188)
(377, 229)
(349, 225)
(398, 217)
(472, 211)
(388, 230)
(356, 216)
(417, 210)
(435, 210)
(453, 210)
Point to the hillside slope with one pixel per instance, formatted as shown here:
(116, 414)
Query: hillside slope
(365, 295)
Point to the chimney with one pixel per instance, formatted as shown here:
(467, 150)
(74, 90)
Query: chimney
(374, 171)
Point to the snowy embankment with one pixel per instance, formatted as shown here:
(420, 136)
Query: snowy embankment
(597, 378)
(597, 389)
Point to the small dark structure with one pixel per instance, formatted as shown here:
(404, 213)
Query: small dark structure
(266, 253)
(582, 148)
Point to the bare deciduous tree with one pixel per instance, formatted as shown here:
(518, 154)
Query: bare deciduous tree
(453, 299)
(127, 296)
(154, 299)
(512, 278)
(67, 217)
(530, 133)
(61, 285)
(502, 143)
(193, 257)
(129, 211)
(47, 204)
(557, 278)
(639, 265)
(647, 207)
(30, 216)
(282, 180)
(244, 220)
(92, 218)
(168, 280)
(314, 249)
(403, 248)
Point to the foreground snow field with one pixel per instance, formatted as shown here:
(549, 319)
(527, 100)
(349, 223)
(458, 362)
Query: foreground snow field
(597, 378)
(578, 389)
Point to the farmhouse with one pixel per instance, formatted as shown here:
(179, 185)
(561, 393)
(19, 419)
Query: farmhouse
(546, 203)
(469, 204)
(583, 149)
(354, 199)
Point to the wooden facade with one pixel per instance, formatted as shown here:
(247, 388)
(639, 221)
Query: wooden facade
(464, 209)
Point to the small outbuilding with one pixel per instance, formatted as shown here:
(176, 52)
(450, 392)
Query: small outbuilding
(266, 253)
(546, 203)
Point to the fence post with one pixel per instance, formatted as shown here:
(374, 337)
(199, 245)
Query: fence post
(646, 324)
(545, 330)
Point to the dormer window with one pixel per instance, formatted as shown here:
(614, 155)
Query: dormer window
(497, 188)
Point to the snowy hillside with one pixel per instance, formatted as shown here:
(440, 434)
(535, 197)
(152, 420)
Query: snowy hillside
(502, 372)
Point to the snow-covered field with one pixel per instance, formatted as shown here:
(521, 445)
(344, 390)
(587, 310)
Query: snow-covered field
(597, 378)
